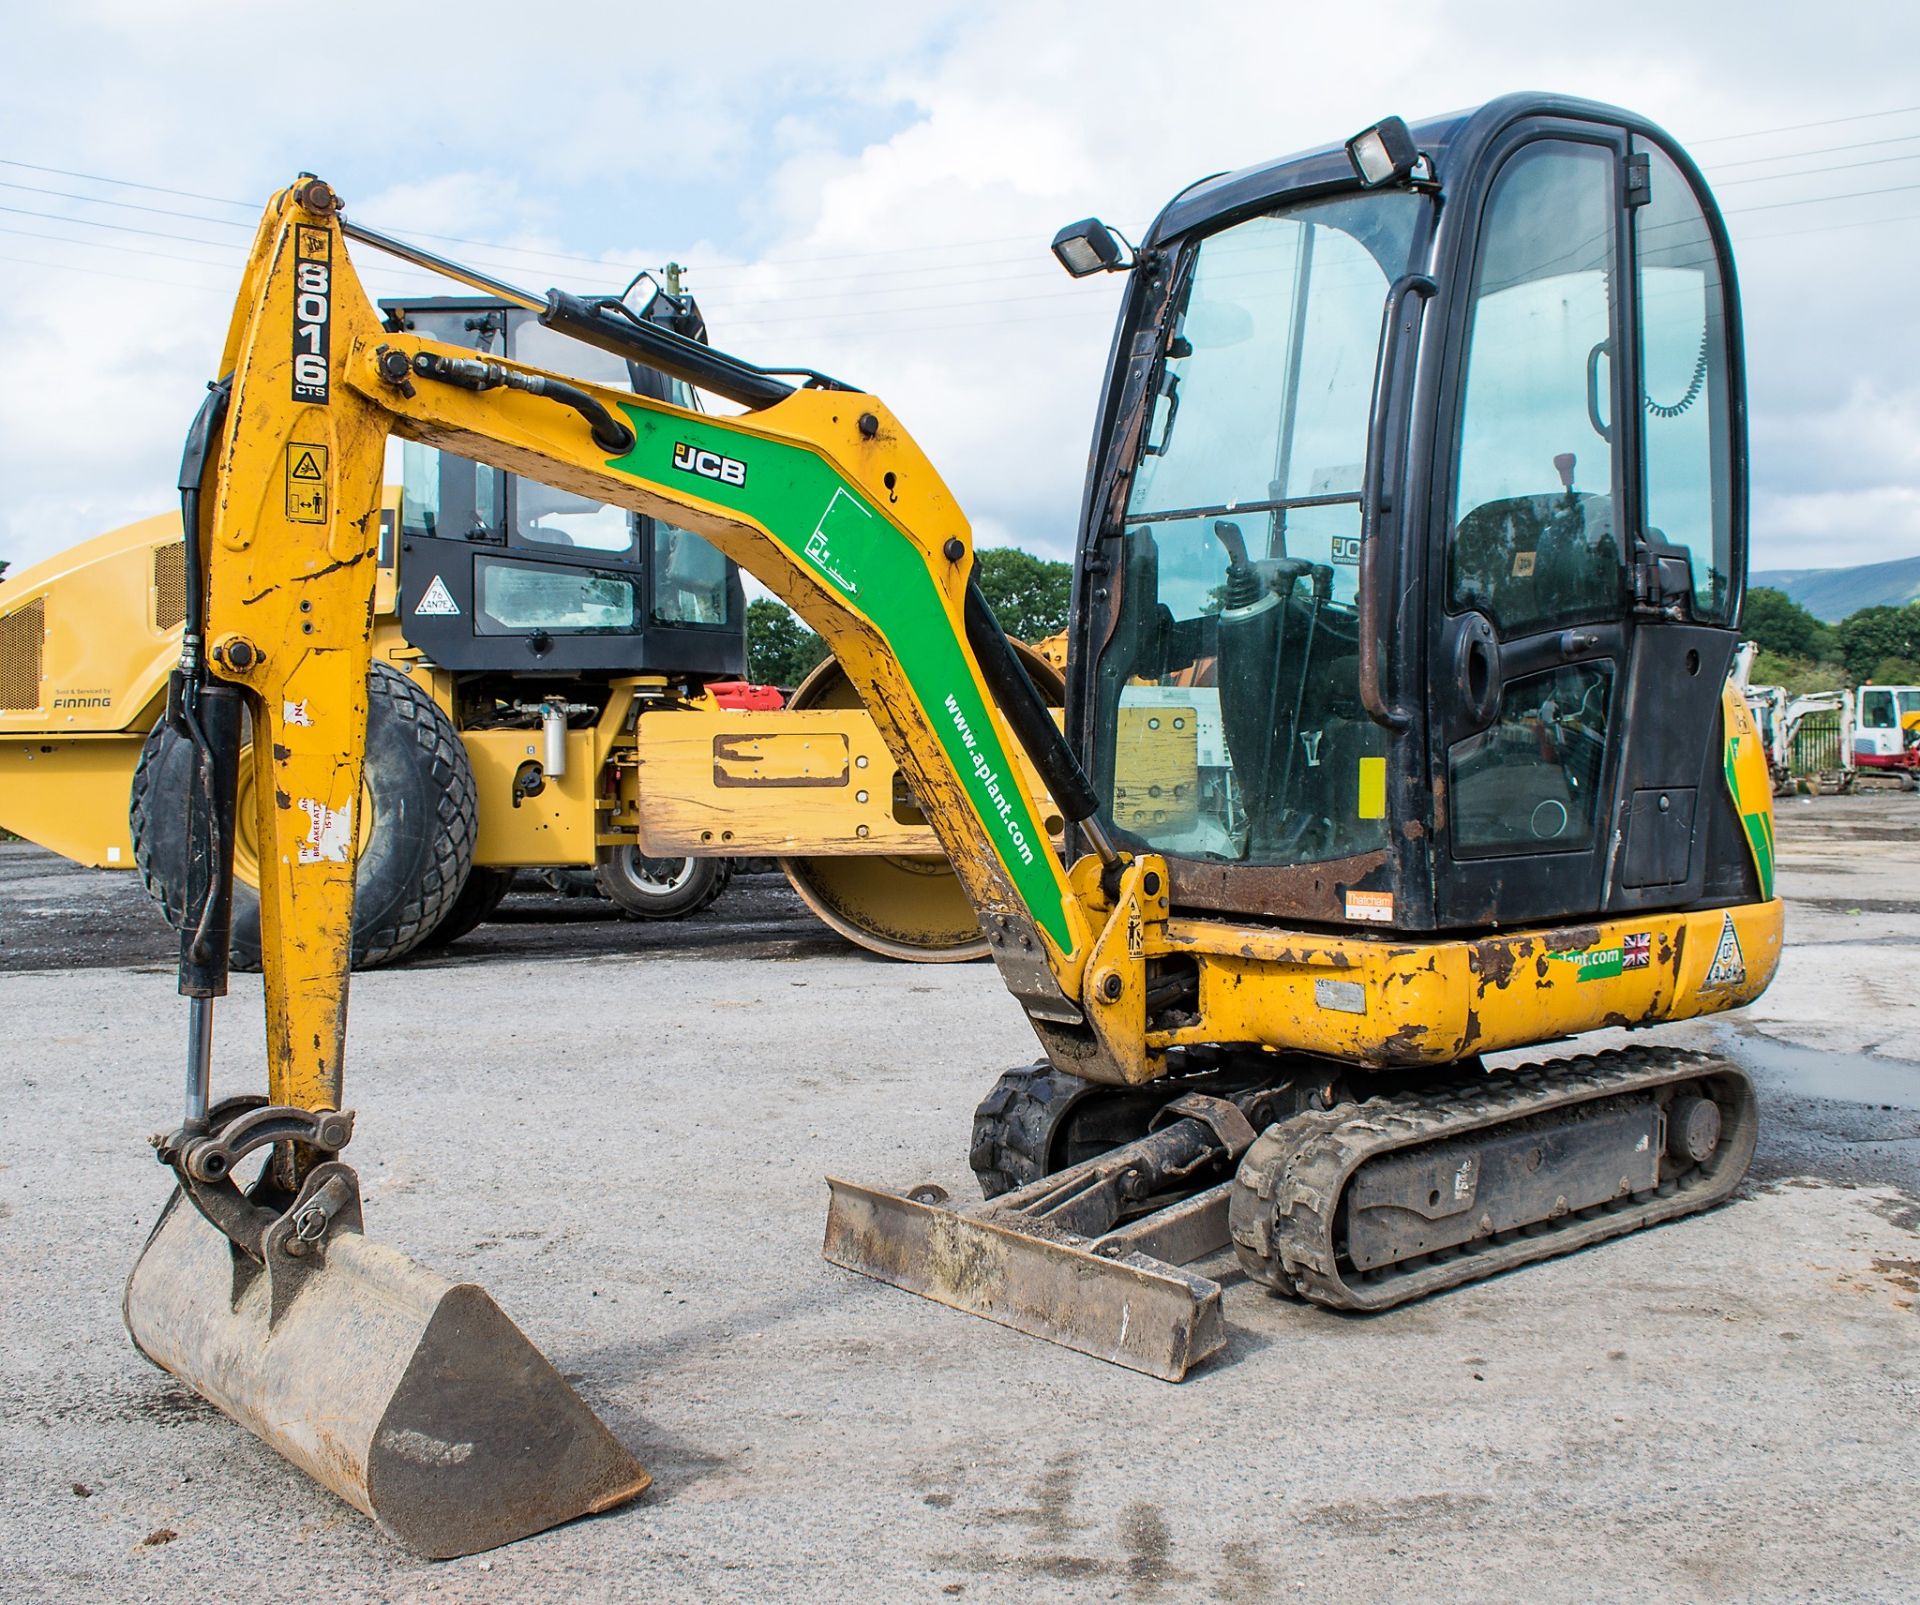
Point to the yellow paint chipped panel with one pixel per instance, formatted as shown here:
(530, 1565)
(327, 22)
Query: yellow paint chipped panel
(1433, 1002)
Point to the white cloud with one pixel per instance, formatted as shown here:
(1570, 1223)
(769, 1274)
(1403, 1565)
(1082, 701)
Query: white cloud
(874, 199)
(1836, 528)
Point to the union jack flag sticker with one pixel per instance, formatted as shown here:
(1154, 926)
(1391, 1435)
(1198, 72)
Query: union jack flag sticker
(1637, 950)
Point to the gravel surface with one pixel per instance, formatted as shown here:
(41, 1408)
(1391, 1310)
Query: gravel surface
(621, 1131)
(54, 916)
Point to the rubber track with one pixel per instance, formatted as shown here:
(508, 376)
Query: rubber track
(1288, 1188)
(1014, 1126)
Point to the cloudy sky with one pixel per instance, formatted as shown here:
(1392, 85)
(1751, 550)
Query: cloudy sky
(870, 191)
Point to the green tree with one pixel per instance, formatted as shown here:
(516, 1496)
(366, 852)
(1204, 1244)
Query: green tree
(780, 649)
(1782, 625)
(1029, 595)
(1797, 675)
(1896, 671)
(1875, 634)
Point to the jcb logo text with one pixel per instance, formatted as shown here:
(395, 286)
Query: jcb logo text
(709, 465)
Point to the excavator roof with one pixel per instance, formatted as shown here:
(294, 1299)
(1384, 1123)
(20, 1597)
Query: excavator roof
(1450, 140)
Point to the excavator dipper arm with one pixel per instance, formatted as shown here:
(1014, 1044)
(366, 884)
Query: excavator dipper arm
(819, 493)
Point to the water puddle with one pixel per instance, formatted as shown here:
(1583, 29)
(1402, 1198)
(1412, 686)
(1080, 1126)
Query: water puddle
(1866, 1078)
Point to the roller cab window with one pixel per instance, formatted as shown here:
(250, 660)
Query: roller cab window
(615, 571)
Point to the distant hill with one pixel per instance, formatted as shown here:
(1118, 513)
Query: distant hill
(1833, 593)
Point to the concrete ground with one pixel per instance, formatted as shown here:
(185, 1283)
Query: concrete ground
(627, 1147)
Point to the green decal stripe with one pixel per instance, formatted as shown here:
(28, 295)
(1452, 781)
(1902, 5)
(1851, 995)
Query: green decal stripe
(1594, 964)
(1760, 833)
(1758, 824)
(839, 536)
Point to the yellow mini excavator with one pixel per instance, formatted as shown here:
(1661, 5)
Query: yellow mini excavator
(1399, 734)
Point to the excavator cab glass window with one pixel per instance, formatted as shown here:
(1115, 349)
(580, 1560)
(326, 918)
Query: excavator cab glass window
(1683, 379)
(1229, 701)
(1534, 542)
(1531, 779)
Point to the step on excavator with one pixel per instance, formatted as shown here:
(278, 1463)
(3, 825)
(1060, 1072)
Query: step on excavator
(1399, 735)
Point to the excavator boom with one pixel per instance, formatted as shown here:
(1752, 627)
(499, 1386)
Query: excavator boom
(414, 1399)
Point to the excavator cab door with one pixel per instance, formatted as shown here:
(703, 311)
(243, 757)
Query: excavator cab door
(1581, 552)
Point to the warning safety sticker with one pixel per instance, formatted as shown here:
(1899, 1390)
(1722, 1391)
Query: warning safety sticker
(1729, 967)
(306, 484)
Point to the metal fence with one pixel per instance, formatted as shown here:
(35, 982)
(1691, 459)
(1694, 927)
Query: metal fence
(1816, 745)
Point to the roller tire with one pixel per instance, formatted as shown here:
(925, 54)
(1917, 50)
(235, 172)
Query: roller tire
(411, 869)
(623, 878)
(475, 904)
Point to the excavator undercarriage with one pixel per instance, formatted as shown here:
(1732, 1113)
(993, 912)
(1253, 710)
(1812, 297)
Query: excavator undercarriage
(1351, 1201)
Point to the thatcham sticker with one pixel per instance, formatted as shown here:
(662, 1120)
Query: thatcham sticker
(1374, 907)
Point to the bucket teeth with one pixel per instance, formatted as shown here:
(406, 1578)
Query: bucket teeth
(413, 1398)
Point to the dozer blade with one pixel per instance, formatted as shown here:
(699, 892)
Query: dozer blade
(413, 1398)
(1100, 1296)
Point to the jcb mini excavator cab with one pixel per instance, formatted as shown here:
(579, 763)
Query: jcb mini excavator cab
(1409, 573)
(1425, 630)
(1410, 559)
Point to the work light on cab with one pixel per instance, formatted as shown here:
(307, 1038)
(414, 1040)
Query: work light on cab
(1089, 246)
(1384, 153)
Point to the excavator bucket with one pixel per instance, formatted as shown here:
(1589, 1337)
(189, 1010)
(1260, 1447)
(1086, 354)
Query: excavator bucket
(413, 1398)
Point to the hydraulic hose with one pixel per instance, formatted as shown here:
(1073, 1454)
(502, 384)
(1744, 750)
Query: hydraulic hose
(208, 911)
(699, 365)
(609, 433)
(193, 467)
(210, 799)
(1022, 706)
